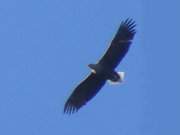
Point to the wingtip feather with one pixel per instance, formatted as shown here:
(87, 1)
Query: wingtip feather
(127, 30)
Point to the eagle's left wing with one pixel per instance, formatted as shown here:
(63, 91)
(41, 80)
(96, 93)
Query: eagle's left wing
(85, 91)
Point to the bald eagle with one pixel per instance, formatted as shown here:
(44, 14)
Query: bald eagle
(104, 70)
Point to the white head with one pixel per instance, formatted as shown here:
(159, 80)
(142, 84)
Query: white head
(93, 68)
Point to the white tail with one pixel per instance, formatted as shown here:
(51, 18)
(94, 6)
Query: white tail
(122, 75)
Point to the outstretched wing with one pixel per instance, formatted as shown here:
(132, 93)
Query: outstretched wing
(119, 45)
(85, 91)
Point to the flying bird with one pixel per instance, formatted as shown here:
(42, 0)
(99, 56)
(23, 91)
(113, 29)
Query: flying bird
(104, 70)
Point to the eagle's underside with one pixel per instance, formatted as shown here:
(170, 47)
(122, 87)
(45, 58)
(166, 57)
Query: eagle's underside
(104, 70)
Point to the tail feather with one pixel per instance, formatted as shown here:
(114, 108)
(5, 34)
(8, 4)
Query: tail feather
(122, 75)
(121, 79)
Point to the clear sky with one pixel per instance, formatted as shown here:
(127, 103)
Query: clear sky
(46, 45)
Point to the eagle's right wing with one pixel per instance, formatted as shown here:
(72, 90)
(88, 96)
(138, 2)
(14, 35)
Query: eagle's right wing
(119, 45)
(85, 91)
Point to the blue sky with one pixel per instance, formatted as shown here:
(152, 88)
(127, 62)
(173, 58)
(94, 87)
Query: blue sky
(45, 47)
